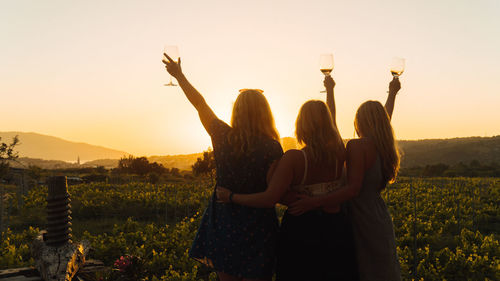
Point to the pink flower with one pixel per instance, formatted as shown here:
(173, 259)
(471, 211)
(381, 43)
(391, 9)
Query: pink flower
(123, 263)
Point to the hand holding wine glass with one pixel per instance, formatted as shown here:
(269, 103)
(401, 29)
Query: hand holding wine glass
(326, 67)
(173, 67)
(172, 62)
(394, 86)
(329, 82)
(397, 67)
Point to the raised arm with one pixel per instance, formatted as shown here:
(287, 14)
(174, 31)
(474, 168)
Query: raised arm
(280, 181)
(195, 98)
(394, 87)
(355, 172)
(330, 99)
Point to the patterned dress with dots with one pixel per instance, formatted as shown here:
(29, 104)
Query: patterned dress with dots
(231, 238)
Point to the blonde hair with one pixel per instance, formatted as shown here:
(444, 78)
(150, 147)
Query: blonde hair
(314, 128)
(372, 121)
(251, 118)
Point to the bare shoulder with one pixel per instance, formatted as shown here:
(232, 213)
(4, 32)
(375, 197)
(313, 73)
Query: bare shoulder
(356, 144)
(362, 148)
(292, 155)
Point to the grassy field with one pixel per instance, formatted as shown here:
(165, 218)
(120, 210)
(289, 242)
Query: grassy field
(446, 228)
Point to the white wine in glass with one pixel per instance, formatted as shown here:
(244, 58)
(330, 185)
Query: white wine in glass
(173, 52)
(326, 65)
(397, 67)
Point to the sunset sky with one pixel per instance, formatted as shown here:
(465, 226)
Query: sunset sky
(91, 71)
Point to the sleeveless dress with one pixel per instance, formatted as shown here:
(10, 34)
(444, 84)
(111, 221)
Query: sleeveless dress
(316, 246)
(235, 239)
(373, 230)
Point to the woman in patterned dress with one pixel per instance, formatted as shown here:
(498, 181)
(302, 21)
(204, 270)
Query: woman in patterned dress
(372, 162)
(238, 242)
(317, 245)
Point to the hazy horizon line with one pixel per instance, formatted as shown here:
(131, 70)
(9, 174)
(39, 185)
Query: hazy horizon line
(190, 153)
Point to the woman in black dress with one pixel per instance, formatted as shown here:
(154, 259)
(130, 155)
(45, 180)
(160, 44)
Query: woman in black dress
(237, 241)
(317, 245)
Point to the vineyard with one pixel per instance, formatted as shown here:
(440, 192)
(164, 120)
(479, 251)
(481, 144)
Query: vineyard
(446, 228)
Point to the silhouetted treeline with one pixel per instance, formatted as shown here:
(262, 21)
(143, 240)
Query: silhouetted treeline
(204, 165)
(141, 166)
(473, 169)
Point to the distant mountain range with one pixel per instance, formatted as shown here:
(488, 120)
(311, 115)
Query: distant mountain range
(35, 145)
(51, 152)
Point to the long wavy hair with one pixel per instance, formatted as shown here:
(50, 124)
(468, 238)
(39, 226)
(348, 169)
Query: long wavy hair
(251, 119)
(314, 128)
(372, 121)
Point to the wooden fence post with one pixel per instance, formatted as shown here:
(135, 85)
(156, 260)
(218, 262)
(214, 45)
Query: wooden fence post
(18, 181)
(1, 207)
(175, 202)
(166, 204)
(414, 195)
(9, 208)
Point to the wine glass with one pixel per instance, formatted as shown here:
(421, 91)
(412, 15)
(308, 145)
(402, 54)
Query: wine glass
(326, 65)
(397, 67)
(173, 52)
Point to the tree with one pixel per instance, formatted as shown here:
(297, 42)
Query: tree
(436, 170)
(7, 153)
(35, 172)
(205, 165)
(7, 150)
(139, 166)
(175, 172)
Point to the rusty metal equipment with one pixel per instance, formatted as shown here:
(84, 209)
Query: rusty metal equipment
(57, 257)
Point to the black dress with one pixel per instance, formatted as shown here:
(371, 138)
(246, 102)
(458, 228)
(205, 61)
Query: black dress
(316, 246)
(235, 239)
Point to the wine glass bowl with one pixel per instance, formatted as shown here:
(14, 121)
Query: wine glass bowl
(173, 52)
(397, 67)
(326, 64)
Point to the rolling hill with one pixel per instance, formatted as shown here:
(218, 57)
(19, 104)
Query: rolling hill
(435, 151)
(40, 146)
(450, 151)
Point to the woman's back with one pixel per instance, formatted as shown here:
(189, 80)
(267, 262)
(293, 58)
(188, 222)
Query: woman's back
(317, 245)
(242, 173)
(372, 223)
(235, 239)
(373, 179)
(315, 179)
(307, 171)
